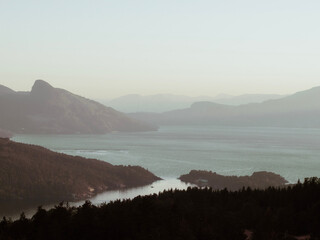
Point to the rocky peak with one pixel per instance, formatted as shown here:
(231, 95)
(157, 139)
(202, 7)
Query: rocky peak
(41, 85)
(42, 90)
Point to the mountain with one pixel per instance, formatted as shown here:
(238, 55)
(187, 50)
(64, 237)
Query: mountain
(33, 173)
(152, 103)
(301, 109)
(246, 99)
(5, 90)
(168, 102)
(52, 110)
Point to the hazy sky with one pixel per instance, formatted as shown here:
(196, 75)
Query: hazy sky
(104, 49)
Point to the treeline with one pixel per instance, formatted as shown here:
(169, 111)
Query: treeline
(33, 173)
(273, 213)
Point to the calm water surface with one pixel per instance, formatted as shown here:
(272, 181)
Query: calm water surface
(15, 210)
(172, 151)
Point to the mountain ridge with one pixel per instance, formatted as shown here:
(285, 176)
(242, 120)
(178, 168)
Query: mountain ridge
(301, 109)
(5, 90)
(46, 109)
(159, 103)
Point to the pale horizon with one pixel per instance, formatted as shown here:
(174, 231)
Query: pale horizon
(222, 94)
(109, 49)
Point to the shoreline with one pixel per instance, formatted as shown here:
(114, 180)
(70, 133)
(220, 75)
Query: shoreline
(105, 197)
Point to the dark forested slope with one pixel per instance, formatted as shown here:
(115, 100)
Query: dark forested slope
(32, 173)
(274, 213)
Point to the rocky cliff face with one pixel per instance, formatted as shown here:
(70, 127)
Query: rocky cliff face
(51, 110)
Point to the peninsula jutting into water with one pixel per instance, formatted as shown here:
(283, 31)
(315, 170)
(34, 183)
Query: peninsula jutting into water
(38, 176)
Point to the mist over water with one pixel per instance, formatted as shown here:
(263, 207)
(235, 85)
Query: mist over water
(174, 150)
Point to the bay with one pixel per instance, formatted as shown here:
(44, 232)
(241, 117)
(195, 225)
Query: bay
(293, 153)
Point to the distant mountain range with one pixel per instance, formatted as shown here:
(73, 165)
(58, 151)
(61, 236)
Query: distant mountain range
(56, 111)
(167, 102)
(301, 109)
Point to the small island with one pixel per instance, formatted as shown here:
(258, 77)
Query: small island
(258, 180)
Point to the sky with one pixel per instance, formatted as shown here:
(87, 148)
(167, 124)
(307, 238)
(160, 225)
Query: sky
(105, 49)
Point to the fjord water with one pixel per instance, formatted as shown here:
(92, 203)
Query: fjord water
(293, 153)
(14, 209)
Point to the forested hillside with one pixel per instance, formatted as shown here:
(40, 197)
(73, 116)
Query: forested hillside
(274, 213)
(29, 172)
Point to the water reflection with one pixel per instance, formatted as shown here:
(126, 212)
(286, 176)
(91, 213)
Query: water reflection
(156, 187)
(13, 210)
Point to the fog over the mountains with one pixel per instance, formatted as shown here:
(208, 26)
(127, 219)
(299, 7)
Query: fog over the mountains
(51, 110)
(167, 102)
(301, 109)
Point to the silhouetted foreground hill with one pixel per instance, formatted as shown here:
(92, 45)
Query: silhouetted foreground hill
(301, 109)
(274, 213)
(260, 180)
(51, 110)
(33, 173)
